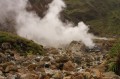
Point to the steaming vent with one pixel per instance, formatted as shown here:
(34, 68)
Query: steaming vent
(94, 49)
(49, 30)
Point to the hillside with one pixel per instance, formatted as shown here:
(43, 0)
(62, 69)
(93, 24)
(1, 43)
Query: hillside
(103, 16)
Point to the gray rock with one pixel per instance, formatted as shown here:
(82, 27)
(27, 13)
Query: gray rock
(6, 46)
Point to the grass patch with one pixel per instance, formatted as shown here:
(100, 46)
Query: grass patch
(20, 44)
(114, 60)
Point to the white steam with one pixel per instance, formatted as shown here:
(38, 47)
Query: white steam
(50, 30)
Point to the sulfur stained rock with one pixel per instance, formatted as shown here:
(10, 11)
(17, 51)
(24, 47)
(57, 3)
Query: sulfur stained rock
(53, 67)
(46, 59)
(77, 76)
(45, 77)
(1, 68)
(30, 76)
(41, 69)
(68, 77)
(62, 59)
(87, 75)
(2, 77)
(58, 75)
(4, 65)
(1, 73)
(69, 66)
(53, 51)
(11, 68)
(110, 75)
(102, 66)
(13, 76)
(32, 67)
(41, 64)
(96, 73)
(26, 63)
(18, 57)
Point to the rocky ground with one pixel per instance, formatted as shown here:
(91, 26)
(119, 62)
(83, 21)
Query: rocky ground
(74, 61)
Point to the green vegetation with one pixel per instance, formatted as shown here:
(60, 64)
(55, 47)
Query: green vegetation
(115, 50)
(103, 16)
(21, 45)
(114, 61)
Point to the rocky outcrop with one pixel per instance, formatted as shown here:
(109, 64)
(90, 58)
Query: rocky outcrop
(61, 63)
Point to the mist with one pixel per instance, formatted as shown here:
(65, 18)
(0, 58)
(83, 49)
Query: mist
(49, 30)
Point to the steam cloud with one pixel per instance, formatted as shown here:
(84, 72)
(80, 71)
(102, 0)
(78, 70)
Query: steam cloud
(50, 30)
